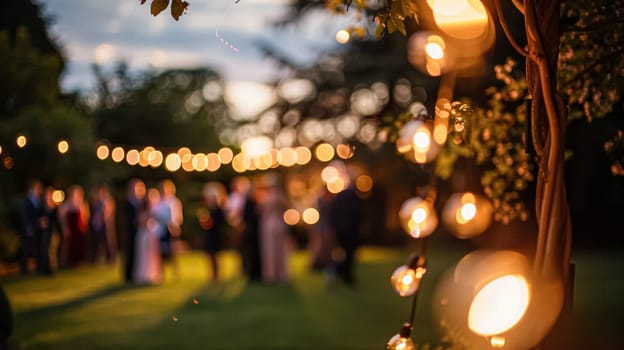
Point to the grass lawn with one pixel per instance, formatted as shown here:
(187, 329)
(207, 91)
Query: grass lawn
(87, 308)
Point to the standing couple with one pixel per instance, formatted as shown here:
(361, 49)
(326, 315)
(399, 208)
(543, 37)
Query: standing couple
(153, 223)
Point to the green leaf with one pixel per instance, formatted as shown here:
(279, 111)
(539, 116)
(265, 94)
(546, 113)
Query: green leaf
(404, 8)
(158, 6)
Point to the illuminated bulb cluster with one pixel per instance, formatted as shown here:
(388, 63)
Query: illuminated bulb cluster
(417, 217)
(416, 141)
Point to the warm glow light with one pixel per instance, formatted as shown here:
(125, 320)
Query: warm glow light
(497, 342)
(310, 216)
(343, 36)
(304, 155)
(132, 157)
(225, 155)
(173, 162)
(240, 163)
(400, 343)
(419, 215)
(156, 159)
(364, 183)
(199, 162)
(461, 19)
(466, 213)
(58, 196)
(118, 154)
(214, 162)
(287, 157)
(344, 151)
(422, 140)
(337, 185)
(291, 217)
(324, 152)
(62, 146)
(439, 133)
(21, 141)
(406, 280)
(102, 152)
(499, 305)
(329, 173)
(256, 146)
(185, 154)
(434, 50)
(187, 161)
(0, 149)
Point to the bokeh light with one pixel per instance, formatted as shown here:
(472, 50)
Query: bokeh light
(132, 157)
(499, 305)
(225, 155)
(291, 217)
(310, 216)
(63, 146)
(287, 157)
(406, 280)
(324, 152)
(213, 162)
(417, 217)
(434, 50)
(415, 141)
(156, 159)
(343, 36)
(102, 152)
(118, 154)
(466, 214)
(58, 196)
(21, 141)
(304, 155)
(173, 162)
(336, 185)
(329, 173)
(364, 183)
(200, 162)
(398, 342)
(344, 151)
(493, 293)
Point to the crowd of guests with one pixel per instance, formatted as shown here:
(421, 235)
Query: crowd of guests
(79, 231)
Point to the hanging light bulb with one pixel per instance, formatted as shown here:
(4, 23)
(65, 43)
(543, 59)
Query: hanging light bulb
(401, 340)
(467, 215)
(415, 142)
(417, 217)
(406, 278)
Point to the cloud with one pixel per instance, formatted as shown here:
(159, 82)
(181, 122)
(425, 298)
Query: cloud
(128, 31)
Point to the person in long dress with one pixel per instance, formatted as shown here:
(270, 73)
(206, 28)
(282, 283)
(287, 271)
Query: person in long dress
(211, 219)
(147, 260)
(74, 217)
(274, 239)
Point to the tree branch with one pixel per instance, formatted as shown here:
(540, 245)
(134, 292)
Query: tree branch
(505, 27)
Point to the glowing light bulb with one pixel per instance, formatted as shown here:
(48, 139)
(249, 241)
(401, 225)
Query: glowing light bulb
(310, 216)
(422, 140)
(62, 146)
(173, 162)
(467, 212)
(291, 217)
(102, 152)
(419, 215)
(397, 342)
(343, 36)
(58, 196)
(499, 305)
(434, 50)
(117, 154)
(406, 280)
(21, 141)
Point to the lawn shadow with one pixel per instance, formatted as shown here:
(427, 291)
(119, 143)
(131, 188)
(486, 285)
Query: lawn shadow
(57, 308)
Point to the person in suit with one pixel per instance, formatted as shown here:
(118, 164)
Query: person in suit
(132, 208)
(345, 219)
(32, 221)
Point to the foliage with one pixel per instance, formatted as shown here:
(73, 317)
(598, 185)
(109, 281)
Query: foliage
(178, 7)
(591, 60)
(615, 151)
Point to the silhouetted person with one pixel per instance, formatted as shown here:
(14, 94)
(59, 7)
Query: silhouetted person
(345, 219)
(251, 239)
(133, 206)
(212, 220)
(102, 225)
(32, 222)
(50, 235)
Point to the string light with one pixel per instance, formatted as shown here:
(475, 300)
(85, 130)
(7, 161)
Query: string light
(21, 141)
(62, 146)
